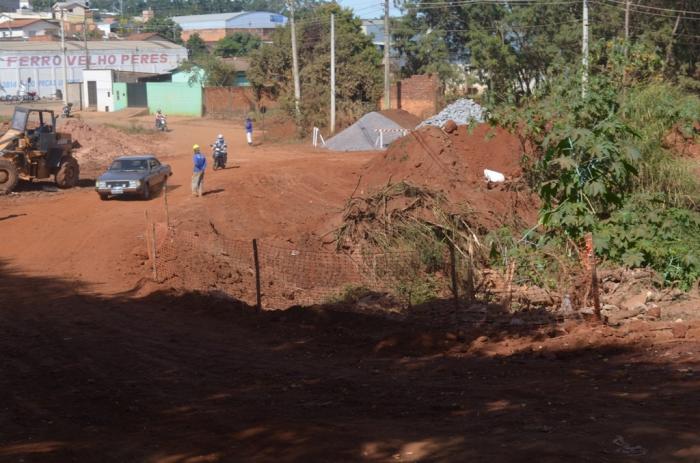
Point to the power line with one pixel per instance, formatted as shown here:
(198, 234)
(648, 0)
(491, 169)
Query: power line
(435, 5)
(649, 7)
(648, 13)
(504, 2)
(510, 26)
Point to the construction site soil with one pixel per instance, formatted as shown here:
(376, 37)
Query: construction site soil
(99, 364)
(453, 164)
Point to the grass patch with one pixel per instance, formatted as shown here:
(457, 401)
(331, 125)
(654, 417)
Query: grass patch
(131, 129)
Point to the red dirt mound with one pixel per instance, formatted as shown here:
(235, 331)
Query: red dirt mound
(401, 117)
(99, 145)
(454, 165)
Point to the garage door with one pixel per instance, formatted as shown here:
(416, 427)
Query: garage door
(137, 97)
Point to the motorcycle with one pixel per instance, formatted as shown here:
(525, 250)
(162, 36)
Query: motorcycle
(161, 123)
(220, 155)
(67, 109)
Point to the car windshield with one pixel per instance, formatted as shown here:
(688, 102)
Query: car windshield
(129, 165)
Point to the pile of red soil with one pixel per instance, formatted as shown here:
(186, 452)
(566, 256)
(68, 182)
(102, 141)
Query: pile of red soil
(401, 117)
(99, 145)
(453, 164)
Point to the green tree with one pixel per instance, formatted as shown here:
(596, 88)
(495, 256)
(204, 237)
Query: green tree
(237, 44)
(358, 66)
(195, 46)
(210, 71)
(165, 27)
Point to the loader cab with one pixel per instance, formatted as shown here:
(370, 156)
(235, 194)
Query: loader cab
(33, 121)
(39, 125)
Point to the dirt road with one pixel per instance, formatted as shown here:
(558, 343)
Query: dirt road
(269, 191)
(91, 373)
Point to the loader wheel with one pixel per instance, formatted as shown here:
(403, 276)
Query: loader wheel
(68, 174)
(8, 176)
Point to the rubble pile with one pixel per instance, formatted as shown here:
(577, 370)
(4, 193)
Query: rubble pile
(462, 112)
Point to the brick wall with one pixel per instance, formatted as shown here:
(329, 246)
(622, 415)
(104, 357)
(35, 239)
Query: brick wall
(232, 101)
(421, 95)
(208, 35)
(214, 35)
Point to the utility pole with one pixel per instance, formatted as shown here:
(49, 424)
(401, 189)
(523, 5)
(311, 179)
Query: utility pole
(332, 73)
(387, 44)
(85, 41)
(627, 21)
(669, 47)
(65, 64)
(295, 63)
(584, 49)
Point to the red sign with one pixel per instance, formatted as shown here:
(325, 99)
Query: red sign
(32, 61)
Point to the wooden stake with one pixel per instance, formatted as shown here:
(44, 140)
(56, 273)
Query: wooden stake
(470, 275)
(153, 250)
(453, 274)
(165, 202)
(256, 261)
(594, 276)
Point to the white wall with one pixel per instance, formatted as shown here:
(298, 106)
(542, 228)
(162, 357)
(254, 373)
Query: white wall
(103, 79)
(45, 67)
(32, 30)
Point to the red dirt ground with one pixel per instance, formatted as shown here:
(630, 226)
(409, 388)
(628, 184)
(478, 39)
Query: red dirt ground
(90, 371)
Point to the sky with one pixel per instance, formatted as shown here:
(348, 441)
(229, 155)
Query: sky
(369, 9)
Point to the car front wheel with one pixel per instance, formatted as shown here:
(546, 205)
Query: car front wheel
(146, 195)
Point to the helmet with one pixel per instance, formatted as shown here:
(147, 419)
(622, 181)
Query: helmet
(158, 111)
(220, 137)
(195, 147)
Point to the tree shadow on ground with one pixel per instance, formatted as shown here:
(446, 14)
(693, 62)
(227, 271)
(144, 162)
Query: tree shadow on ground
(187, 377)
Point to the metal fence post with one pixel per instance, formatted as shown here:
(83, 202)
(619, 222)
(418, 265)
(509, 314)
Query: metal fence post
(256, 261)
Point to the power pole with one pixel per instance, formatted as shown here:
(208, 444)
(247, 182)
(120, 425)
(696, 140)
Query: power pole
(627, 21)
(295, 63)
(65, 64)
(669, 47)
(85, 41)
(584, 49)
(387, 44)
(332, 73)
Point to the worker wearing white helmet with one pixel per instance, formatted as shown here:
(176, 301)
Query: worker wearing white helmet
(220, 142)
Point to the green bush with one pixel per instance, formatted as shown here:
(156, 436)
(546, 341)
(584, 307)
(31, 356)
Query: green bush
(647, 233)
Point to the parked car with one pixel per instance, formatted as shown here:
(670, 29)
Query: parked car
(132, 175)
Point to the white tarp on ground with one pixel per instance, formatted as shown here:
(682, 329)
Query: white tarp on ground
(363, 134)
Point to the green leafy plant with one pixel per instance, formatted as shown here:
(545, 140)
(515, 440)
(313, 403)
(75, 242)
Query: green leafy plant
(582, 162)
(646, 233)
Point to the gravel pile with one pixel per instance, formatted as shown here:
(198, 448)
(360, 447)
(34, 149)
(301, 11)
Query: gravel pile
(362, 135)
(461, 111)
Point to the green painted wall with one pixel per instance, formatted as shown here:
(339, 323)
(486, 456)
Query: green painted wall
(184, 77)
(173, 98)
(120, 95)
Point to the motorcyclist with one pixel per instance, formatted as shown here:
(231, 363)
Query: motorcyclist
(160, 119)
(220, 149)
(220, 142)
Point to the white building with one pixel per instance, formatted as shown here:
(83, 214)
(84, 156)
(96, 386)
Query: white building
(375, 29)
(27, 28)
(39, 65)
(213, 27)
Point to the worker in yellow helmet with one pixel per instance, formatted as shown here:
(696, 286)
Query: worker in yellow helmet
(200, 165)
